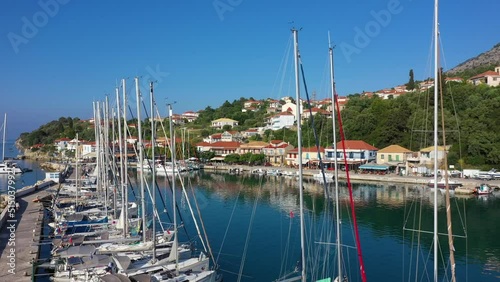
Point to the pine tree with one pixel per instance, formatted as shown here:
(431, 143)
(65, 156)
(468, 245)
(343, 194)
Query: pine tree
(411, 83)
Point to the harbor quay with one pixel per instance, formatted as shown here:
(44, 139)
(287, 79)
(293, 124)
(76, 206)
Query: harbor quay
(20, 233)
(391, 178)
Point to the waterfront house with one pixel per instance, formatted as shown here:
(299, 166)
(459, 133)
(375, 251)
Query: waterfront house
(276, 151)
(88, 147)
(310, 157)
(393, 155)
(221, 122)
(225, 148)
(491, 78)
(357, 152)
(427, 155)
(254, 147)
(203, 147)
(72, 144)
(61, 143)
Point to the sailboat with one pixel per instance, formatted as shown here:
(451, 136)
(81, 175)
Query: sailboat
(7, 167)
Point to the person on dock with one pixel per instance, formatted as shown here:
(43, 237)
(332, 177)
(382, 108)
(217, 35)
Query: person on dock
(17, 205)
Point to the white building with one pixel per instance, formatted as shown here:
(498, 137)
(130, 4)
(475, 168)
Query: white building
(283, 119)
(220, 123)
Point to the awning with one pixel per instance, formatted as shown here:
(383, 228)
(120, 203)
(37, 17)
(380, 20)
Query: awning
(217, 159)
(374, 167)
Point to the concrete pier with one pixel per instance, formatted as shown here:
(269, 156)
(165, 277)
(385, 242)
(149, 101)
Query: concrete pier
(19, 238)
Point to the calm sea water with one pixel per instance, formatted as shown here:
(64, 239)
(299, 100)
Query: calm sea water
(24, 179)
(253, 227)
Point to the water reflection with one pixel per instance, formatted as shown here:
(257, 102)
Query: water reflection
(382, 212)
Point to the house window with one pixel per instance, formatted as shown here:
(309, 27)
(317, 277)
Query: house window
(397, 157)
(390, 158)
(382, 156)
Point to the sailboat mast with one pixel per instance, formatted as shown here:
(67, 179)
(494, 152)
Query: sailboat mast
(107, 157)
(174, 201)
(336, 186)
(76, 173)
(153, 166)
(125, 168)
(141, 158)
(299, 144)
(436, 63)
(3, 138)
(122, 173)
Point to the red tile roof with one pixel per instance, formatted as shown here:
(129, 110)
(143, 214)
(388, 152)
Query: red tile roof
(487, 73)
(356, 145)
(222, 144)
(308, 150)
(203, 144)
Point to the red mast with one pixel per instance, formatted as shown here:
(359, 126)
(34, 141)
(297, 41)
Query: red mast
(349, 186)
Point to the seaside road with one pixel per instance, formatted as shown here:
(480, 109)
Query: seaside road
(19, 237)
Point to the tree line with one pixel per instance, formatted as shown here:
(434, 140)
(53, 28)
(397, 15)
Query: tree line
(470, 114)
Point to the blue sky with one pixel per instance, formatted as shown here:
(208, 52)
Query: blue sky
(58, 56)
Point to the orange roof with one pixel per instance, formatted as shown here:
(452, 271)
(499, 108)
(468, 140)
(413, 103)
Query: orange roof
(487, 73)
(308, 150)
(394, 149)
(203, 144)
(222, 144)
(356, 145)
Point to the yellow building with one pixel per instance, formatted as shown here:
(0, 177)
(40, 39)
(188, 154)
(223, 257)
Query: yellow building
(393, 155)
